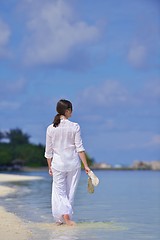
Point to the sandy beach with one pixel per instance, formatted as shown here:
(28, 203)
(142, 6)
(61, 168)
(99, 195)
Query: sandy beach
(12, 227)
(17, 178)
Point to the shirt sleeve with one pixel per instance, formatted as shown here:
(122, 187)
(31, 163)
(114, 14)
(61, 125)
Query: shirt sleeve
(78, 139)
(48, 148)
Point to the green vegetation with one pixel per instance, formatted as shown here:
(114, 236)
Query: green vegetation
(18, 151)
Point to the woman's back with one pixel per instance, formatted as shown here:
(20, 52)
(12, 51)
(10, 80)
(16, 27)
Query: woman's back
(65, 143)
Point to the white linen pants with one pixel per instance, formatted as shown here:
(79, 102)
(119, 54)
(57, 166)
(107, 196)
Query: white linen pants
(63, 191)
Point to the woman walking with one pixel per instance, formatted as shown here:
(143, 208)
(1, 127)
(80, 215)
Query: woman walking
(64, 149)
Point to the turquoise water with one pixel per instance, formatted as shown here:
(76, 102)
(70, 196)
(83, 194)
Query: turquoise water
(125, 206)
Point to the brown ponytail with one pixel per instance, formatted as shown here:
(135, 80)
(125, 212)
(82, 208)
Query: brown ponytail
(62, 106)
(56, 120)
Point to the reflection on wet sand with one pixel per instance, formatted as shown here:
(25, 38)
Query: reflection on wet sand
(51, 231)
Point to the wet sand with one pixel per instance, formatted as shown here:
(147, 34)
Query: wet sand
(11, 226)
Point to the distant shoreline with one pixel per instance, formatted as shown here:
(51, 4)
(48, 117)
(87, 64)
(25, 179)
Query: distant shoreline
(136, 165)
(45, 169)
(125, 169)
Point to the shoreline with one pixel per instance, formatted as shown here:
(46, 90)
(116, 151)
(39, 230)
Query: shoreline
(11, 177)
(11, 226)
(45, 169)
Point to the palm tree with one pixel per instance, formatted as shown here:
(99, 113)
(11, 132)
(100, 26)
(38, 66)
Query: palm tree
(1, 136)
(16, 136)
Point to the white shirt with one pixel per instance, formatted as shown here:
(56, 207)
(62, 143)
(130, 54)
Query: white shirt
(63, 144)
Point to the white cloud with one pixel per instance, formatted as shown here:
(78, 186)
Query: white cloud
(110, 124)
(12, 87)
(9, 105)
(4, 38)
(54, 33)
(156, 139)
(108, 94)
(111, 94)
(152, 142)
(144, 47)
(152, 89)
(137, 55)
(132, 140)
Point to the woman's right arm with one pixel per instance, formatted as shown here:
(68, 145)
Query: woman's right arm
(49, 151)
(49, 160)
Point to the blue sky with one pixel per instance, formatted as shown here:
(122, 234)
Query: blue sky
(104, 56)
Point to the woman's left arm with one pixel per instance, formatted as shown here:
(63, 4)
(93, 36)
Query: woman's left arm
(82, 156)
(80, 149)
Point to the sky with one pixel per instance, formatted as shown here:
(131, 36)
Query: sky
(103, 56)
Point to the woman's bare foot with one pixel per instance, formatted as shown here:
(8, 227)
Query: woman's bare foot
(59, 223)
(68, 221)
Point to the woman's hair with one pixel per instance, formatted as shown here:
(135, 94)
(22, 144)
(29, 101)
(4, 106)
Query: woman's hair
(62, 106)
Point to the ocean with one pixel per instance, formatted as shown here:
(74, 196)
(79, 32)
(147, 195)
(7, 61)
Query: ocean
(124, 206)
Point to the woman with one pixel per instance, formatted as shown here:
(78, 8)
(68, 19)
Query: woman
(64, 149)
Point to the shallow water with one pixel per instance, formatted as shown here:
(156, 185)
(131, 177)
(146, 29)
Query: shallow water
(125, 206)
(82, 231)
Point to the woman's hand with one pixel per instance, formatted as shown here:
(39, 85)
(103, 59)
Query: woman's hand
(50, 171)
(87, 169)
